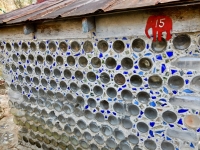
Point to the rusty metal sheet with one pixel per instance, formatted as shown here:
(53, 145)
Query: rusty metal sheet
(90, 7)
(51, 9)
(25, 11)
(43, 12)
(79, 7)
(126, 4)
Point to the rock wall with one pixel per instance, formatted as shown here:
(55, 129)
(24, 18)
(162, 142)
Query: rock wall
(7, 6)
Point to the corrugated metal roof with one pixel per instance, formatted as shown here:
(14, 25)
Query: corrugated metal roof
(51, 9)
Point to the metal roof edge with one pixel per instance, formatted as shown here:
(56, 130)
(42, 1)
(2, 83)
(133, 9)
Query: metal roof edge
(100, 13)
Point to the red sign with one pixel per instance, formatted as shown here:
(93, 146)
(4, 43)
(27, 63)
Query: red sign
(159, 24)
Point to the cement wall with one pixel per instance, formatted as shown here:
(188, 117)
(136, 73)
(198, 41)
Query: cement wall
(185, 19)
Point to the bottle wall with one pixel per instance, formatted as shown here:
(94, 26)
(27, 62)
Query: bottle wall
(114, 93)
